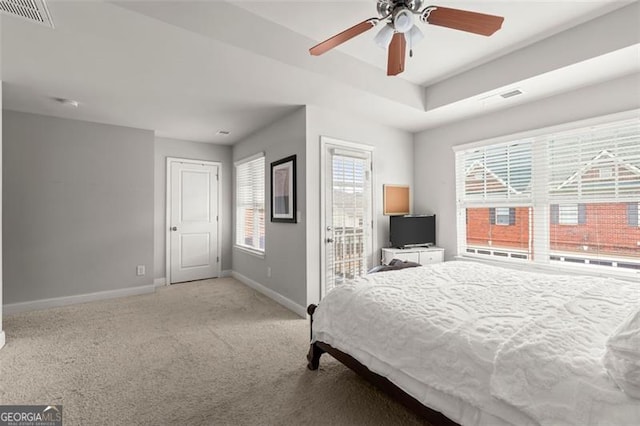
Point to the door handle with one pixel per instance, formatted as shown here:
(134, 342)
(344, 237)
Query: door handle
(329, 240)
(174, 228)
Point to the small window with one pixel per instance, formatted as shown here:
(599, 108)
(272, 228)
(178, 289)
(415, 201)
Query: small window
(502, 216)
(250, 231)
(568, 214)
(606, 172)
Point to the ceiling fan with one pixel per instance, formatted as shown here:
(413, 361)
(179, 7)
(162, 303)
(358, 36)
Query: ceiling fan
(400, 30)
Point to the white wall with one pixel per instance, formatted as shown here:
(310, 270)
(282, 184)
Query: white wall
(164, 148)
(78, 207)
(434, 157)
(284, 242)
(392, 162)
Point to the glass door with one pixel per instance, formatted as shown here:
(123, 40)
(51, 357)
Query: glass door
(348, 217)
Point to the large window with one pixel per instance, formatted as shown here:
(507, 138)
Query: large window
(494, 190)
(570, 197)
(250, 210)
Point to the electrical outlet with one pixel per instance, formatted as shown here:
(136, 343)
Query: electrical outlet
(268, 271)
(140, 270)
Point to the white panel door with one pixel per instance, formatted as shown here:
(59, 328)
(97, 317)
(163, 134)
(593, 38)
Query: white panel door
(193, 221)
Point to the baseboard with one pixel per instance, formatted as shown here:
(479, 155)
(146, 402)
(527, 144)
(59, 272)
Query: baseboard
(159, 282)
(2, 339)
(35, 305)
(226, 273)
(287, 303)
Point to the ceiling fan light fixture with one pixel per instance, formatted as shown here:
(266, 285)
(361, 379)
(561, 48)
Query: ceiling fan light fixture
(384, 36)
(403, 20)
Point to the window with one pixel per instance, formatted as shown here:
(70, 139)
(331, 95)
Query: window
(487, 179)
(568, 214)
(503, 216)
(632, 214)
(250, 211)
(606, 172)
(570, 197)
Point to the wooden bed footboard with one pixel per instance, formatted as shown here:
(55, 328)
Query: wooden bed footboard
(318, 348)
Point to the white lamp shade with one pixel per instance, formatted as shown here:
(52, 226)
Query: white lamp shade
(403, 20)
(413, 36)
(384, 36)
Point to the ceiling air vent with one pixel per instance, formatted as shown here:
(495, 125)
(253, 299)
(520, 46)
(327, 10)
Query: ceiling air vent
(511, 93)
(31, 10)
(498, 98)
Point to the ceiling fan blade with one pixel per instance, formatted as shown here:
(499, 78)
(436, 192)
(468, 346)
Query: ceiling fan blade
(397, 48)
(346, 35)
(463, 20)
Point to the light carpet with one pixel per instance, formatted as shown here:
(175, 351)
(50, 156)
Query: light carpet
(212, 352)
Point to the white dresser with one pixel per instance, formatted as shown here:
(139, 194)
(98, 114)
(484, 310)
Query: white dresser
(421, 255)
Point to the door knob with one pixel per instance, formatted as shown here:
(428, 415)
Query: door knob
(174, 228)
(329, 240)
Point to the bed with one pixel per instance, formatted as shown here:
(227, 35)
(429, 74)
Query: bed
(473, 344)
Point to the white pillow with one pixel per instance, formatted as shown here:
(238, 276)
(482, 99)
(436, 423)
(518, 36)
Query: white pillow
(622, 356)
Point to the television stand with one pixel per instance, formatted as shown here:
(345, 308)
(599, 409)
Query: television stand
(421, 255)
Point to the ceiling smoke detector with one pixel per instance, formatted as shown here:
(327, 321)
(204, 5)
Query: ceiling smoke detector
(30, 10)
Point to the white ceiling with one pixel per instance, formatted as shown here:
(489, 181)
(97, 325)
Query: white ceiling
(188, 69)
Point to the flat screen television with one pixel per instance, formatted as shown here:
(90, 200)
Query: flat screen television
(412, 231)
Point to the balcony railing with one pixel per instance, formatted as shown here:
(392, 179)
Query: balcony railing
(348, 253)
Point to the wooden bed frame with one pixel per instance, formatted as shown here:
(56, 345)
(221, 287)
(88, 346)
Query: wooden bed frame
(318, 348)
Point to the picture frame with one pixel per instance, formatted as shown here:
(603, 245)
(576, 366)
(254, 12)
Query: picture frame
(396, 200)
(283, 190)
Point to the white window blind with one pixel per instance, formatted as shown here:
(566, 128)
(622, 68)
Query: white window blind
(494, 190)
(565, 214)
(350, 215)
(577, 192)
(496, 174)
(597, 169)
(250, 209)
(598, 164)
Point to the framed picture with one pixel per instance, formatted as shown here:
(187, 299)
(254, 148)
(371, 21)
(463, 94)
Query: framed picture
(396, 200)
(283, 190)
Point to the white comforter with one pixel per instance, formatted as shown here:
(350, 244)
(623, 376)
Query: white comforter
(449, 325)
(552, 368)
